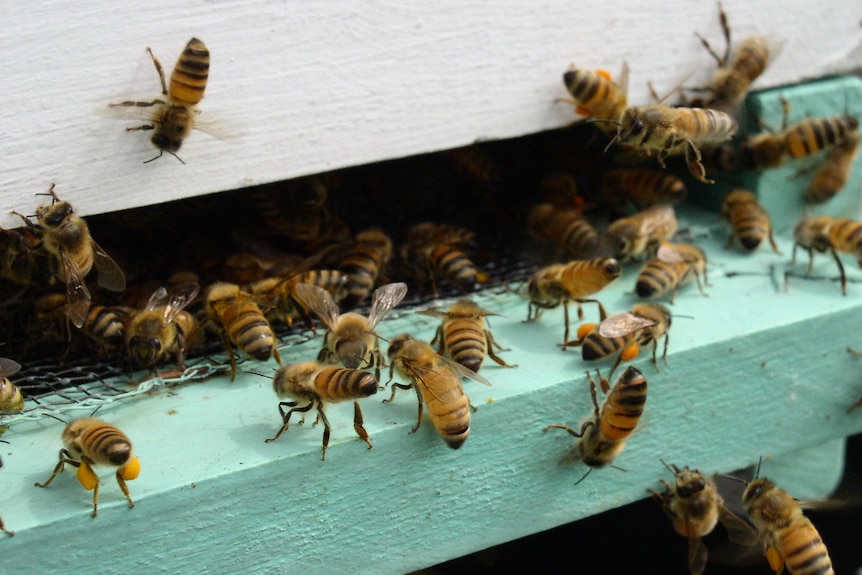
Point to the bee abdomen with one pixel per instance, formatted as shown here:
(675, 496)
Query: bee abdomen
(466, 344)
(251, 332)
(805, 553)
(656, 278)
(189, 78)
(106, 444)
(11, 398)
(596, 347)
(455, 266)
(340, 383)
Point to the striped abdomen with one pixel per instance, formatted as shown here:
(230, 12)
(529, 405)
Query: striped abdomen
(98, 441)
(454, 265)
(597, 95)
(189, 78)
(246, 327)
(846, 236)
(362, 266)
(658, 277)
(624, 405)
(448, 407)
(704, 125)
(582, 278)
(465, 341)
(644, 187)
(835, 172)
(803, 550)
(337, 383)
(749, 62)
(750, 224)
(810, 136)
(106, 325)
(597, 346)
(11, 398)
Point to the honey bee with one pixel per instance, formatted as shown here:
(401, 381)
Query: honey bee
(280, 293)
(566, 228)
(595, 94)
(363, 264)
(624, 333)
(825, 233)
(673, 266)
(241, 322)
(731, 81)
(66, 237)
(433, 250)
(674, 130)
(350, 337)
(641, 234)
(11, 398)
(174, 115)
(789, 538)
(21, 260)
(463, 335)
(106, 325)
(835, 171)
(749, 221)
(602, 437)
(162, 327)
(694, 506)
(643, 187)
(573, 281)
(89, 441)
(437, 383)
(313, 384)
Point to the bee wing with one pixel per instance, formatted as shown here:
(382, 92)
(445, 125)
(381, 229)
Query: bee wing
(660, 218)
(159, 297)
(669, 254)
(111, 277)
(739, 531)
(178, 298)
(621, 324)
(319, 301)
(697, 554)
(385, 298)
(623, 81)
(462, 371)
(76, 292)
(8, 367)
(433, 313)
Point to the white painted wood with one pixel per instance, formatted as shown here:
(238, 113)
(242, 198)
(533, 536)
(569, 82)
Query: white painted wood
(302, 87)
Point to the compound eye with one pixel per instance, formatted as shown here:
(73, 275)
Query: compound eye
(637, 128)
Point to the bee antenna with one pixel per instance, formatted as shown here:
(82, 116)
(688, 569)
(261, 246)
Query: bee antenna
(683, 316)
(611, 143)
(161, 152)
(248, 371)
(584, 476)
(52, 416)
(97, 408)
(757, 471)
(735, 478)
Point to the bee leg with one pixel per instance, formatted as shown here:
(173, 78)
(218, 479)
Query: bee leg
(566, 322)
(122, 483)
(419, 414)
(490, 344)
(358, 424)
(664, 352)
(276, 355)
(594, 393)
(567, 429)
(394, 387)
(4, 530)
(840, 270)
(59, 468)
(693, 161)
(438, 337)
(772, 242)
(95, 500)
(327, 429)
(285, 417)
(159, 70)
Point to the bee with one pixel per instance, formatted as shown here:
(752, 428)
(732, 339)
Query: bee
(90, 441)
(463, 335)
(162, 327)
(675, 130)
(595, 94)
(11, 398)
(433, 250)
(694, 506)
(731, 81)
(603, 437)
(643, 187)
(825, 233)
(363, 264)
(280, 293)
(749, 221)
(437, 383)
(641, 234)
(566, 228)
(66, 237)
(350, 337)
(789, 538)
(22, 262)
(174, 115)
(316, 384)
(835, 171)
(673, 266)
(573, 281)
(106, 325)
(624, 333)
(241, 322)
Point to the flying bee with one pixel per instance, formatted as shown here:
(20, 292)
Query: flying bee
(66, 237)
(835, 171)
(825, 233)
(567, 229)
(789, 538)
(674, 266)
(463, 335)
(11, 398)
(643, 187)
(573, 281)
(437, 383)
(595, 94)
(174, 115)
(694, 506)
(602, 437)
(89, 441)
(350, 337)
(363, 263)
(674, 130)
(162, 327)
(314, 384)
(241, 322)
(624, 333)
(639, 235)
(749, 221)
(437, 250)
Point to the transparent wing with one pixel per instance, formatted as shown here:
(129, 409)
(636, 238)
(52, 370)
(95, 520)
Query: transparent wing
(8, 367)
(76, 292)
(622, 324)
(319, 301)
(385, 298)
(697, 555)
(159, 298)
(111, 277)
(669, 254)
(463, 372)
(178, 297)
